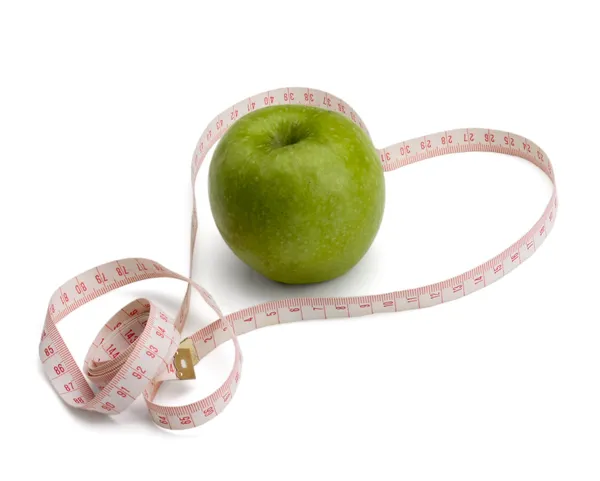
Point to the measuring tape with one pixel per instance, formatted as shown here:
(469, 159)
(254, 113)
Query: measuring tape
(140, 347)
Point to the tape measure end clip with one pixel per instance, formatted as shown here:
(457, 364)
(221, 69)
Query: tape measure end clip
(185, 359)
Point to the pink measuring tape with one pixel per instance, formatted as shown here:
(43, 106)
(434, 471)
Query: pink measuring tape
(141, 347)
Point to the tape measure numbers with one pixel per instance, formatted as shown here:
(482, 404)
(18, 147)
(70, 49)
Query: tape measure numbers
(140, 347)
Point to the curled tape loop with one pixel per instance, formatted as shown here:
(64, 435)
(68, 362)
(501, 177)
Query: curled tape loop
(140, 347)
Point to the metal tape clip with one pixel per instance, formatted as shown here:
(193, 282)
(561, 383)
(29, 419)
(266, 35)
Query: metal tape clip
(185, 360)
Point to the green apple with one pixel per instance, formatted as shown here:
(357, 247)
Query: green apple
(297, 192)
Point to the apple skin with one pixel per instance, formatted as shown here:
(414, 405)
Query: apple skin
(297, 192)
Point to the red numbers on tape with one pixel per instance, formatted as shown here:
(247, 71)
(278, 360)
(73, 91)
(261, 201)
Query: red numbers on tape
(151, 352)
(136, 350)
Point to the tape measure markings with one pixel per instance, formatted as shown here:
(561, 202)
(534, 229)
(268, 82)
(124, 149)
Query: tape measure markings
(138, 360)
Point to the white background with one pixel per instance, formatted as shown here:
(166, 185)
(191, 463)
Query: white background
(101, 104)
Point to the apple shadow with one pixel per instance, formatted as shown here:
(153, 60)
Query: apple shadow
(235, 285)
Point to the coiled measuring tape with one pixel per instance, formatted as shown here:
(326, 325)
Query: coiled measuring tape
(140, 347)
